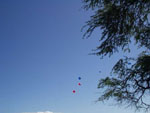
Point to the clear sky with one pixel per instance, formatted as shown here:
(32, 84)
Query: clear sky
(42, 54)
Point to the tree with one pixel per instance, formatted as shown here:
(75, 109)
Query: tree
(121, 22)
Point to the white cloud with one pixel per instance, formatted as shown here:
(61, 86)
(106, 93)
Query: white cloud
(45, 112)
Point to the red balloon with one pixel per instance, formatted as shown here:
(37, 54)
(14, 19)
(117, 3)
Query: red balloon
(73, 91)
(79, 84)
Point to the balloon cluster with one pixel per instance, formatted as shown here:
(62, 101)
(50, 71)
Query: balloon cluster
(79, 84)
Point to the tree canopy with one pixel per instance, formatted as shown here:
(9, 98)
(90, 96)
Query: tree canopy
(121, 22)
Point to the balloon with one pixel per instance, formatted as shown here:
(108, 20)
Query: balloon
(79, 78)
(79, 84)
(73, 91)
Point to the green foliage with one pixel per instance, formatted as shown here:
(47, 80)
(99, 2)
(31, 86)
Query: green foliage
(119, 20)
(128, 84)
(123, 21)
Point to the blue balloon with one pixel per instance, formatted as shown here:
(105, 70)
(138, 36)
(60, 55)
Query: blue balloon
(79, 78)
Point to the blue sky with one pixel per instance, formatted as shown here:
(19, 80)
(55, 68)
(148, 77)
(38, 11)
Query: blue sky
(42, 56)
